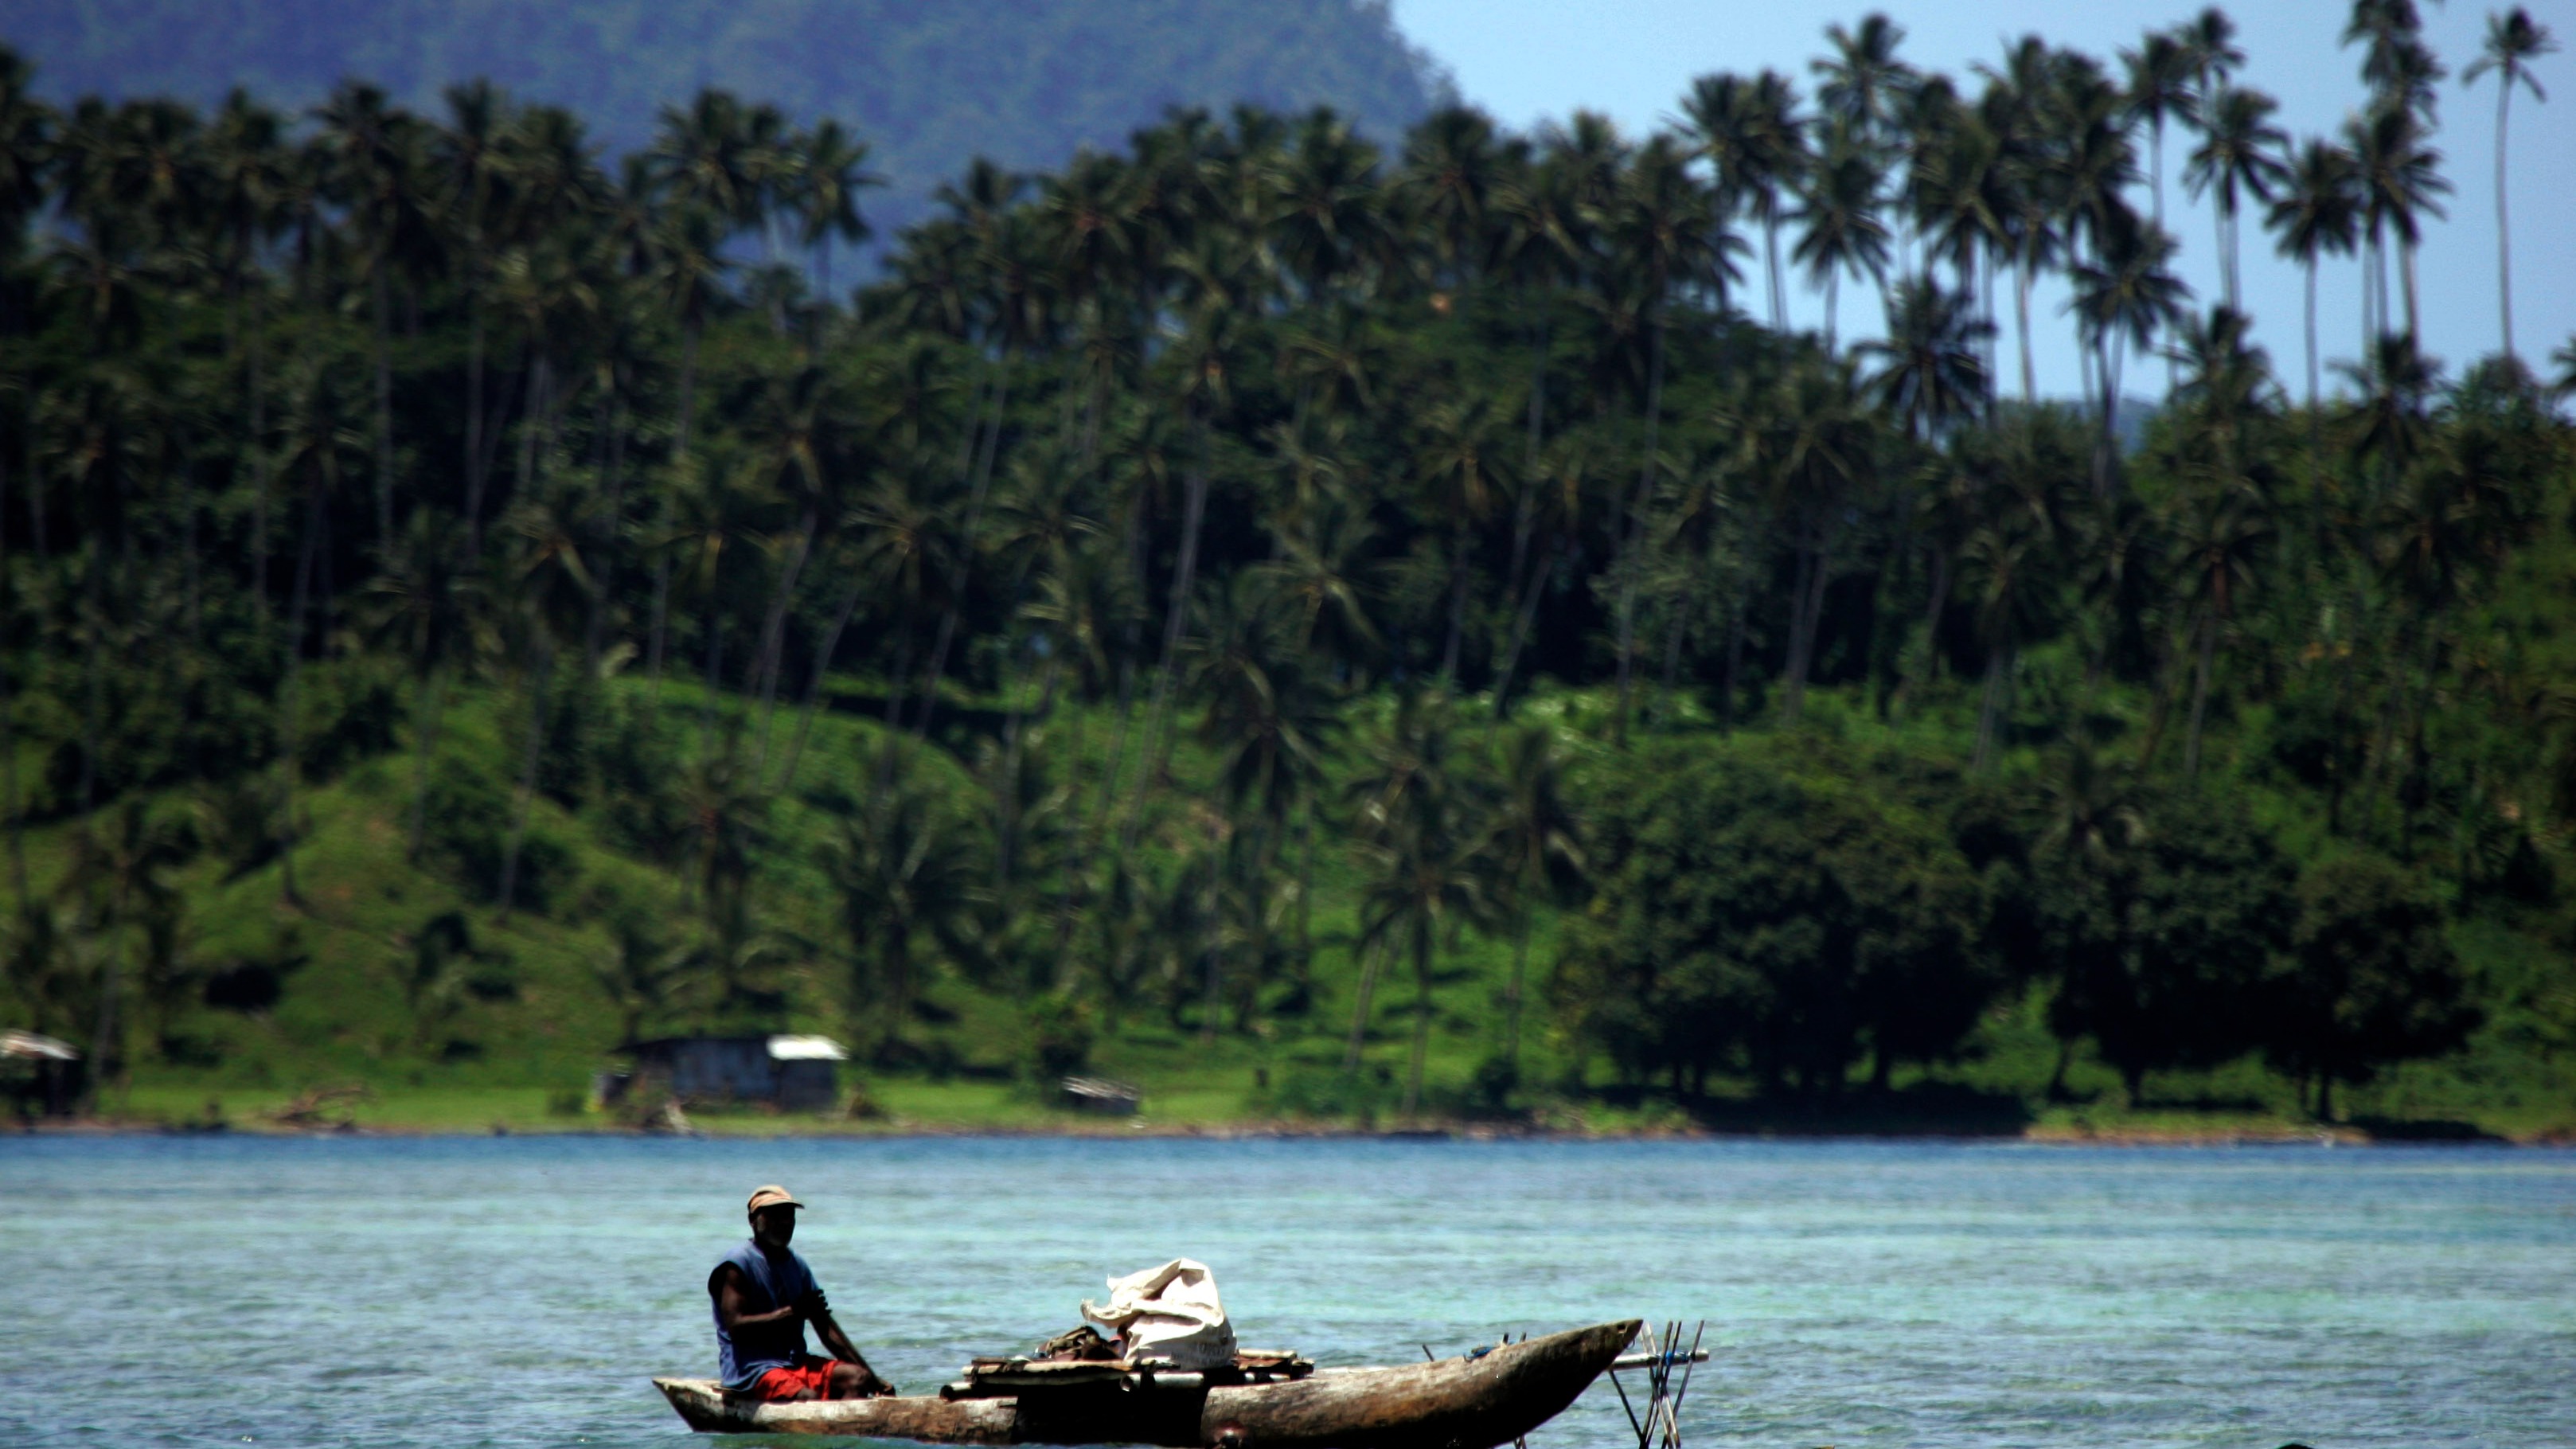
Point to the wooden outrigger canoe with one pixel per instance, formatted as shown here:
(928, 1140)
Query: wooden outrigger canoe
(1452, 1403)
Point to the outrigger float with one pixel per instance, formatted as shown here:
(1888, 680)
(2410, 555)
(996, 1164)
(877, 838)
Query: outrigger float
(1260, 1401)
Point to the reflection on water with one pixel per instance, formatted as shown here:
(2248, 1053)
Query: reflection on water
(456, 1293)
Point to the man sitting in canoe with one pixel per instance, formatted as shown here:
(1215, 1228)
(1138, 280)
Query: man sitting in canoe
(764, 1296)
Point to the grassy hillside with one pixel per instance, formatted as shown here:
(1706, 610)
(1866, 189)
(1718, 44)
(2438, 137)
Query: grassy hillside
(344, 1019)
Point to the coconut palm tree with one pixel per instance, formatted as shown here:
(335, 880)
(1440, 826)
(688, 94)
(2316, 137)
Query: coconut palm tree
(1424, 875)
(2237, 153)
(2400, 177)
(1662, 234)
(1842, 229)
(118, 871)
(1752, 133)
(2163, 85)
(2123, 300)
(910, 878)
(2222, 534)
(2399, 69)
(378, 171)
(1932, 372)
(553, 588)
(1535, 841)
(1464, 466)
(2012, 560)
(2318, 212)
(2514, 41)
(1957, 188)
(830, 171)
(803, 452)
(1328, 217)
(27, 127)
(425, 605)
(317, 435)
(1815, 447)
(1455, 169)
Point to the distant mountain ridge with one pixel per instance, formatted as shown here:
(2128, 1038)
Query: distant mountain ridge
(929, 86)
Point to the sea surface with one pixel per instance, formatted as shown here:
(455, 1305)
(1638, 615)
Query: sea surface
(448, 1293)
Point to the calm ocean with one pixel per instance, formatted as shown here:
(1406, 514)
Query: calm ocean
(450, 1293)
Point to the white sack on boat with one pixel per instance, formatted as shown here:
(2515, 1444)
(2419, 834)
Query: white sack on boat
(1169, 1314)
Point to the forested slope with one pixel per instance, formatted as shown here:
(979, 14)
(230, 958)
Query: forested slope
(1323, 628)
(928, 86)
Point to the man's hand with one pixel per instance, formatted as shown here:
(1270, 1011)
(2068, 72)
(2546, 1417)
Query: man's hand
(813, 1305)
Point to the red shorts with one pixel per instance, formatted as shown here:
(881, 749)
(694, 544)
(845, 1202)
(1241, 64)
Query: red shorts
(804, 1383)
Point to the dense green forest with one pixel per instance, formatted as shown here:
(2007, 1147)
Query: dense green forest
(927, 87)
(1325, 629)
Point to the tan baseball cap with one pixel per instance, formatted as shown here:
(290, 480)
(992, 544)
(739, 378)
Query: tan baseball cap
(770, 1196)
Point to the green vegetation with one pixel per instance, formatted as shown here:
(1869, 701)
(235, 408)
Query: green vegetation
(1330, 635)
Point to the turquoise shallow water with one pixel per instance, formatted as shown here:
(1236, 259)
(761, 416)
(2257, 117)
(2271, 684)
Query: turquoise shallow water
(467, 1292)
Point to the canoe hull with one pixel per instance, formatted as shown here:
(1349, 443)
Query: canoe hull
(1457, 1403)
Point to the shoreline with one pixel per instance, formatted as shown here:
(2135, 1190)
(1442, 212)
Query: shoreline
(737, 1129)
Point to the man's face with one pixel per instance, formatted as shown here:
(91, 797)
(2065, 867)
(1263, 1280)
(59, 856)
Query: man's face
(774, 1225)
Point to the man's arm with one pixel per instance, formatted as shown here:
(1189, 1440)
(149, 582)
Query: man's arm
(818, 1312)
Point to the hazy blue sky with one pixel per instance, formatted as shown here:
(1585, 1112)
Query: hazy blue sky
(1529, 60)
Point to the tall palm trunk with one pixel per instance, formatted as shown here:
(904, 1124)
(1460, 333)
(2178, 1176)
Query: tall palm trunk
(1633, 548)
(2022, 268)
(2406, 279)
(1457, 628)
(612, 526)
(1524, 501)
(1999, 667)
(1421, 1014)
(9, 792)
(257, 447)
(1771, 269)
(2316, 424)
(773, 632)
(94, 671)
(2504, 225)
(2220, 215)
(1078, 870)
(432, 713)
(8, 717)
(1369, 951)
(106, 1054)
(528, 757)
(1210, 1008)
(2173, 364)
(1520, 974)
(1522, 618)
(660, 628)
(1175, 617)
(977, 488)
(1933, 609)
(475, 467)
(290, 693)
(2199, 693)
(814, 683)
(1806, 617)
(380, 303)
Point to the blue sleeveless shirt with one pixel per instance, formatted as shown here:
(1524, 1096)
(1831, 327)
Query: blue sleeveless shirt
(769, 1285)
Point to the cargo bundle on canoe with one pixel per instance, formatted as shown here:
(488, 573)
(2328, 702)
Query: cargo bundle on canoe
(1261, 1401)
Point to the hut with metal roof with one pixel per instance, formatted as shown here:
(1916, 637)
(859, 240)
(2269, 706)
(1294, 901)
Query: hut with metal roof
(791, 1073)
(39, 1075)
